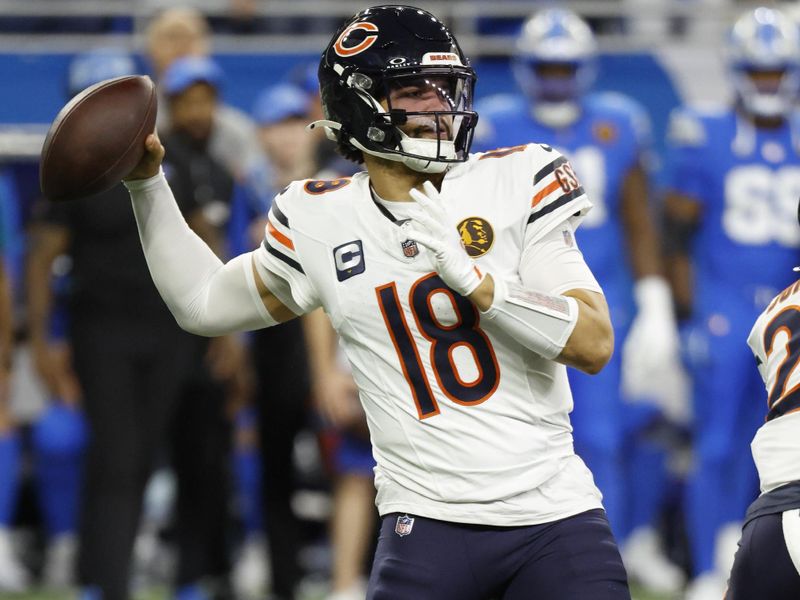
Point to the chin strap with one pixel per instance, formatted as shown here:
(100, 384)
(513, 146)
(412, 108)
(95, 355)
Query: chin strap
(330, 128)
(408, 144)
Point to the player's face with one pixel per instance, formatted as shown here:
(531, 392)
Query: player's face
(767, 82)
(423, 94)
(193, 111)
(173, 43)
(557, 80)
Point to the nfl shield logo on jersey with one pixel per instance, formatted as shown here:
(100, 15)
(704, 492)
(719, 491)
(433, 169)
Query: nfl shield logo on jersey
(404, 525)
(410, 249)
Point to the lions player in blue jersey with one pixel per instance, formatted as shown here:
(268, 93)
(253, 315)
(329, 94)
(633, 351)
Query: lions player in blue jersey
(606, 138)
(13, 577)
(734, 182)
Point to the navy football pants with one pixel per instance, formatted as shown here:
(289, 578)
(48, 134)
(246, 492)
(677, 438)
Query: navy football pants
(762, 569)
(572, 559)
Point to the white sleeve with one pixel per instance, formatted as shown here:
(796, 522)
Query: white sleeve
(554, 264)
(556, 196)
(205, 296)
(280, 265)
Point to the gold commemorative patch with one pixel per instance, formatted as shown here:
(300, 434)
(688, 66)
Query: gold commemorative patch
(477, 236)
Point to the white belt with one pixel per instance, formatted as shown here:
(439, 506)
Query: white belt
(791, 533)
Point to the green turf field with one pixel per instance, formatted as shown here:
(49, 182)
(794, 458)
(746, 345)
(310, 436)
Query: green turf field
(161, 594)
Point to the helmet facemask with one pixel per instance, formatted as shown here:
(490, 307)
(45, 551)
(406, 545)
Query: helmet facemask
(767, 93)
(421, 118)
(428, 116)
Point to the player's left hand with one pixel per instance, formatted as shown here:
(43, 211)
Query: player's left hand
(430, 226)
(651, 351)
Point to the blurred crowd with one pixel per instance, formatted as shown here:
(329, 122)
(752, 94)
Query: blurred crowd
(134, 455)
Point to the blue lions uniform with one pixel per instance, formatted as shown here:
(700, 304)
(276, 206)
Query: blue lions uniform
(9, 441)
(747, 182)
(603, 144)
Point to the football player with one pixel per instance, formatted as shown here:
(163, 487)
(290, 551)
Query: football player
(13, 577)
(734, 182)
(767, 564)
(606, 137)
(459, 352)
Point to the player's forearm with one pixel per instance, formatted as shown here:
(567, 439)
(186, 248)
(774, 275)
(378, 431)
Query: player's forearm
(591, 343)
(681, 219)
(483, 295)
(205, 296)
(644, 248)
(573, 328)
(679, 274)
(39, 296)
(6, 321)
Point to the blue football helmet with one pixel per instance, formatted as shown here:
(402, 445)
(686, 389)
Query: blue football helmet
(765, 41)
(555, 59)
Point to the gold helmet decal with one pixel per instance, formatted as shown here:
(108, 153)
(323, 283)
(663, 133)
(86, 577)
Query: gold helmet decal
(477, 236)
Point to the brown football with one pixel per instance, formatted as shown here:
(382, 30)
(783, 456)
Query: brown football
(97, 138)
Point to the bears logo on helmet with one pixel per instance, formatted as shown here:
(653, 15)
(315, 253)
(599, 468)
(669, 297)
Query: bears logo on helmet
(364, 44)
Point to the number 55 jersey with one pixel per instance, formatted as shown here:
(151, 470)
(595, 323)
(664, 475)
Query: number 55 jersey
(466, 424)
(747, 181)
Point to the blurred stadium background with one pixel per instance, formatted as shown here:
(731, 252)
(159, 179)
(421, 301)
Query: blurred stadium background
(660, 52)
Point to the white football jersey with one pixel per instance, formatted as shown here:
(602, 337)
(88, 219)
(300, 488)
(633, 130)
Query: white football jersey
(775, 341)
(466, 424)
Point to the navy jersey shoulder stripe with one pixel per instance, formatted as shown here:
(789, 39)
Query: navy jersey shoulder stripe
(549, 168)
(279, 215)
(569, 197)
(289, 261)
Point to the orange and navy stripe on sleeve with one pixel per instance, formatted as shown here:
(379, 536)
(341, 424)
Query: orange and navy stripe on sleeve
(278, 239)
(554, 186)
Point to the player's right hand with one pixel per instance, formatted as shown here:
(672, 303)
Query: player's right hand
(150, 164)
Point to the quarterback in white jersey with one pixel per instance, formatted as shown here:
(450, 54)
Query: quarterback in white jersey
(457, 288)
(460, 415)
